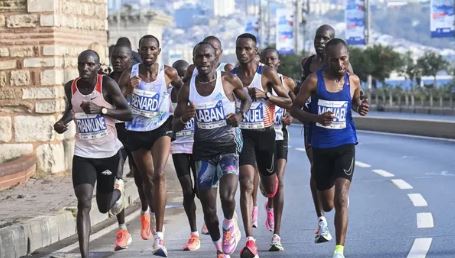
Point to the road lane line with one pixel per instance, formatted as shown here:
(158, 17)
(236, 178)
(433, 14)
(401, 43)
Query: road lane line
(420, 248)
(300, 149)
(425, 220)
(362, 165)
(401, 184)
(417, 200)
(383, 173)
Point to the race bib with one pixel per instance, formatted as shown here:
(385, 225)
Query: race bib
(279, 113)
(339, 110)
(145, 103)
(210, 115)
(187, 130)
(254, 117)
(90, 126)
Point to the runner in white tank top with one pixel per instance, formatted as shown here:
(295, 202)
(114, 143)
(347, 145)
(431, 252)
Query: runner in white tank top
(149, 133)
(94, 102)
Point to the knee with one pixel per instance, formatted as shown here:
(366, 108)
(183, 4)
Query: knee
(246, 184)
(103, 208)
(341, 201)
(188, 194)
(227, 196)
(84, 204)
(210, 214)
(327, 206)
(158, 175)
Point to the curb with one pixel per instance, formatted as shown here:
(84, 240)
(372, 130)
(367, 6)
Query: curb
(25, 237)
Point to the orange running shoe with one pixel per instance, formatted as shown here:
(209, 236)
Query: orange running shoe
(146, 233)
(193, 244)
(122, 239)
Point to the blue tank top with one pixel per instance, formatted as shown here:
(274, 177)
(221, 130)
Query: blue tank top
(342, 130)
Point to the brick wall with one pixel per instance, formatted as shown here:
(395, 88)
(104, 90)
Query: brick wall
(39, 44)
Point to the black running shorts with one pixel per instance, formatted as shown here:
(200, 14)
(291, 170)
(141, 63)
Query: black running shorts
(332, 163)
(259, 148)
(145, 140)
(281, 151)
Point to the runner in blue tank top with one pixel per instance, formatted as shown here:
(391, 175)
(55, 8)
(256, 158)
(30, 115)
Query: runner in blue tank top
(149, 133)
(334, 93)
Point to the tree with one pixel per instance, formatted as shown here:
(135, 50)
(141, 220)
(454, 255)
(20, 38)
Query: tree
(410, 68)
(431, 63)
(290, 65)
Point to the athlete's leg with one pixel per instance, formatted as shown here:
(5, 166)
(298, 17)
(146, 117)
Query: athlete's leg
(265, 157)
(342, 186)
(246, 178)
(278, 199)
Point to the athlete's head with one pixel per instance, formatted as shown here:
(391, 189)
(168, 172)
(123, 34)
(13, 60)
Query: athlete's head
(123, 41)
(180, 66)
(323, 35)
(204, 58)
(337, 56)
(88, 64)
(121, 58)
(270, 57)
(216, 44)
(149, 49)
(245, 48)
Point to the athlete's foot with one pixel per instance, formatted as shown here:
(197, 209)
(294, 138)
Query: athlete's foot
(276, 244)
(158, 247)
(222, 255)
(337, 255)
(254, 216)
(194, 243)
(146, 232)
(322, 233)
(250, 250)
(204, 230)
(231, 236)
(122, 239)
(119, 205)
(270, 220)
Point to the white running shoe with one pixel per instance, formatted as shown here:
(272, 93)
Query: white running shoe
(337, 255)
(322, 233)
(119, 205)
(158, 247)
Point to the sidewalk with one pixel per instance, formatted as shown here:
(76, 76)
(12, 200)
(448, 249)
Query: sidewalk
(42, 211)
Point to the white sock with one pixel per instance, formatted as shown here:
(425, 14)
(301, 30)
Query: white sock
(195, 233)
(218, 245)
(159, 235)
(250, 238)
(322, 218)
(144, 212)
(122, 226)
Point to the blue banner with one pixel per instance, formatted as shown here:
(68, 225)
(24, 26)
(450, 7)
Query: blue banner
(355, 22)
(285, 32)
(442, 18)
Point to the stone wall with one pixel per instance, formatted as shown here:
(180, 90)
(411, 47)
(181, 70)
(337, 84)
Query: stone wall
(39, 44)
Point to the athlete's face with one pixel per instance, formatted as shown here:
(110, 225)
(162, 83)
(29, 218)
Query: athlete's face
(204, 59)
(245, 50)
(217, 46)
(121, 59)
(320, 40)
(337, 59)
(88, 66)
(149, 51)
(270, 58)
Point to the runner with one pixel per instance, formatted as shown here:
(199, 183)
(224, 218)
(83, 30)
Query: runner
(257, 130)
(334, 93)
(210, 97)
(94, 102)
(274, 206)
(149, 133)
(309, 65)
(182, 149)
(121, 61)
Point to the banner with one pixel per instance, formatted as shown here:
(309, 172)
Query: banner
(355, 22)
(442, 18)
(285, 31)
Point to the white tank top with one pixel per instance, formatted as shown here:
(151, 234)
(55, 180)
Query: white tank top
(96, 136)
(211, 110)
(279, 113)
(150, 103)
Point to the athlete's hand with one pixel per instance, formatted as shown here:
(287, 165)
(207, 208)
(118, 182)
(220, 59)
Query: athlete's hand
(60, 127)
(234, 119)
(135, 80)
(256, 93)
(325, 118)
(363, 108)
(90, 108)
(189, 112)
(287, 119)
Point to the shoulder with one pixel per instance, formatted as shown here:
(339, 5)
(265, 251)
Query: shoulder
(354, 79)
(170, 71)
(290, 83)
(269, 72)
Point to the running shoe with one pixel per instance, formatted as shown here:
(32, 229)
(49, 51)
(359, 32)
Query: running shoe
(205, 230)
(158, 247)
(254, 216)
(221, 255)
(146, 232)
(250, 250)
(337, 255)
(122, 239)
(322, 233)
(194, 243)
(270, 220)
(276, 244)
(119, 205)
(231, 237)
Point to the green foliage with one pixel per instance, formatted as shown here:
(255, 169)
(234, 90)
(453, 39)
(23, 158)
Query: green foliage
(431, 63)
(290, 65)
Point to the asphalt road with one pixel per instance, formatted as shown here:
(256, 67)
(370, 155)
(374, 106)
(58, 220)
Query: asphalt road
(402, 204)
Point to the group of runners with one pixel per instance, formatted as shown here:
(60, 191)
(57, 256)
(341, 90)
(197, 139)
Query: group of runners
(225, 126)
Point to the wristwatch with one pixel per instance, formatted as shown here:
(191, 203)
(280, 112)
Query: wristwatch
(267, 95)
(104, 111)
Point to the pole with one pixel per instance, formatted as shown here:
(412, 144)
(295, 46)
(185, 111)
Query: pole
(368, 40)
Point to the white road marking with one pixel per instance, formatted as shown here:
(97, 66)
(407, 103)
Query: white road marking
(300, 149)
(383, 173)
(417, 200)
(420, 248)
(362, 165)
(425, 220)
(401, 184)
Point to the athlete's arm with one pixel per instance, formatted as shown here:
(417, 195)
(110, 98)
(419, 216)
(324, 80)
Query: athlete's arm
(290, 86)
(172, 77)
(189, 73)
(124, 82)
(358, 104)
(122, 110)
(240, 93)
(61, 125)
(282, 100)
(309, 88)
(183, 112)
